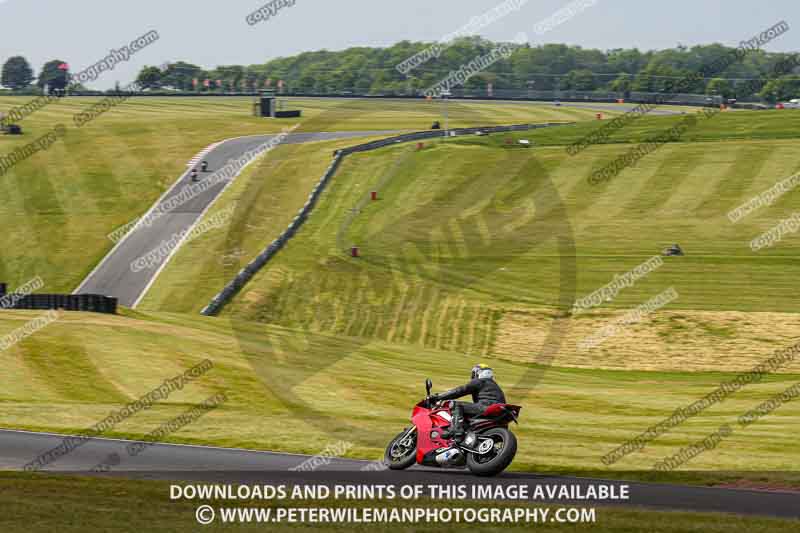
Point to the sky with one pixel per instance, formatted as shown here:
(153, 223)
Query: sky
(213, 32)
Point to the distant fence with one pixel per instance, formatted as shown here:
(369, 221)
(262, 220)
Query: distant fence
(68, 302)
(461, 93)
(246, 274)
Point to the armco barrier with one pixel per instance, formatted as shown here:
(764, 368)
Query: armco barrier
(247, 273)
(68, 302)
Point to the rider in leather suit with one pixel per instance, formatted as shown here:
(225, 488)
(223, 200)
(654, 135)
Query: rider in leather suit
(485, 392)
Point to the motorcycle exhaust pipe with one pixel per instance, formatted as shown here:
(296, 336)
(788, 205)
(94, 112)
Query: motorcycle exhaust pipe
(449, 456)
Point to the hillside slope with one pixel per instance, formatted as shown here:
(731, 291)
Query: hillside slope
(478, 246)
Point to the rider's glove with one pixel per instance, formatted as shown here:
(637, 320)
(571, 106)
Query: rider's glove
(434, 398)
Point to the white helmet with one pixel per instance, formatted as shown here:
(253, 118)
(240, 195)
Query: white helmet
(482, 371)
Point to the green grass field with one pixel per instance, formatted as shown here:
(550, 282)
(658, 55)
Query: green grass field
(297, 392)
(64, 201)
(459, 254)
(475, 249)
(727, 126)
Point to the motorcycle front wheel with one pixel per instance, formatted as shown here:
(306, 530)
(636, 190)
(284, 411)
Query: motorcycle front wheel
(402, 450)
(500, 446)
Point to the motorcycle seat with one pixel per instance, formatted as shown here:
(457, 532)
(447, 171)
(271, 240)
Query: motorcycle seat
(499, 409)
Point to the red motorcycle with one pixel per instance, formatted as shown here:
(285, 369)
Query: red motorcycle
(487, 448)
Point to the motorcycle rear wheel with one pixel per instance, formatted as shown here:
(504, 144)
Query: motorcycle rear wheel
(401, 453)
(497, 460)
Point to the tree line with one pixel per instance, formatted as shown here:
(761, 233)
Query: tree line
(370, 70)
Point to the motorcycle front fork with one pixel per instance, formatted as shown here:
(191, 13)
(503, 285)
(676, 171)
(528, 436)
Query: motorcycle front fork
(404, 440)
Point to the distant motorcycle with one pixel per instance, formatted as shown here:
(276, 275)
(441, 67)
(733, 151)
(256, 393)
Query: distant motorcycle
(194, 175)
(486, 450)
(204, 166)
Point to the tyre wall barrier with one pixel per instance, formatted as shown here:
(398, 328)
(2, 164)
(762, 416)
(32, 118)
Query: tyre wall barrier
(246, 274)
(68, 302)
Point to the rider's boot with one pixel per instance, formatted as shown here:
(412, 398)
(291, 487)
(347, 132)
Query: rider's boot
(456, 430)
